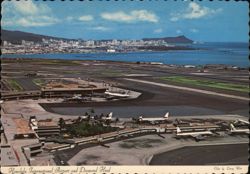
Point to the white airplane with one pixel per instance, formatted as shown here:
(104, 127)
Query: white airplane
(108, 117)
(116, 94)
(84, 117)
(77, 97)
(197, 135)
(153, 120)
(233, 130)
(243, 121)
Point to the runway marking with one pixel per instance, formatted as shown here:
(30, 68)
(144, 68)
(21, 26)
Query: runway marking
(189, 89)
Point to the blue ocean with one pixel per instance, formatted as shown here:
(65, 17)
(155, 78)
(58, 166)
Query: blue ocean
(235, 54)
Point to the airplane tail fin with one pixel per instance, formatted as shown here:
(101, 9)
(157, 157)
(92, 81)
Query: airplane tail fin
(140, 118)
(166, 115)
(178, 130)
(110, 115)
(232, 127)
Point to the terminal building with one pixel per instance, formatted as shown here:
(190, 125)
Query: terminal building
(31, 151)
(23, 129)
(61, 92)
(44, 128)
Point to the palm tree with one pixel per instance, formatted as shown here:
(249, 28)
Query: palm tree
(92, 111)
(88, 118)
(116, 120)
(61, 123)
(107, 122)
(78, 120)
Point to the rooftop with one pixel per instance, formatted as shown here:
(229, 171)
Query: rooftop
(71, 89)
(47, 123)
(22, 126)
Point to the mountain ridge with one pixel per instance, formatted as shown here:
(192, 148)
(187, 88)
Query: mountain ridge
(16, 37)
(177, 39)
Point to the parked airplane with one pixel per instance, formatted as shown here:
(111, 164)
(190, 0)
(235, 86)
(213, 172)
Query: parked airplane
(108, 117)
(243, 121)
(117, 94)
(197, 135)
(77, 97)
(155, 120)
(233, 130)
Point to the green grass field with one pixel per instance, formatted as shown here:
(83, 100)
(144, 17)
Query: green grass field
(43, 62)
(56, 62)
(14, 85)
(207, 83)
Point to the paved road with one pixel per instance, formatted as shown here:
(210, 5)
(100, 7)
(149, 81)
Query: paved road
(189, 89)
(230, 154)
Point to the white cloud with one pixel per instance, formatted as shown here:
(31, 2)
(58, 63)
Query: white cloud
(194, 11)
(69, 18)
(27, 14)
(29, 8)
(159, 30)
(178, 31)
(117, 16)
(36, 22)
(25, 7)
(86, 18)
(101, 28)
(132, 16)
(174, 18)
(194, 30)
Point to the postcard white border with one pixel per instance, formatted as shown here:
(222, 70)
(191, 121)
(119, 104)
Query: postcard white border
(217, 169)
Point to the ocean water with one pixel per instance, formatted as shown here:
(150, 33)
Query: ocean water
(235, 54)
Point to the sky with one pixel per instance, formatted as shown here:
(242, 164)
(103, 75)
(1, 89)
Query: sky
(204, 21)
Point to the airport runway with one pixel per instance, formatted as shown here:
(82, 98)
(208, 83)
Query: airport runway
(189, 89)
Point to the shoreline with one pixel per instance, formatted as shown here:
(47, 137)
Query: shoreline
(155, 49)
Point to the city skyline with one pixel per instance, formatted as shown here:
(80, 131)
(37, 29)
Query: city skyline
(200, 21)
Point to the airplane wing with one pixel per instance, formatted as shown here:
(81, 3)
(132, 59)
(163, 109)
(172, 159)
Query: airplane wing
(198, 137)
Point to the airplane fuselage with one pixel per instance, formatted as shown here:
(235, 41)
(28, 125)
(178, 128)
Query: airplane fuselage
(194, 133)
(243, 131)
